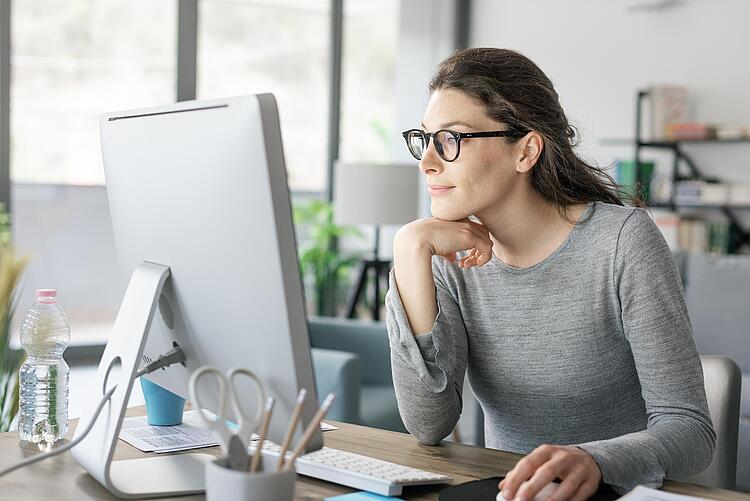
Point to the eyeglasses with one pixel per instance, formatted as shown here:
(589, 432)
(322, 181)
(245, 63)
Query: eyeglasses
(447, 142)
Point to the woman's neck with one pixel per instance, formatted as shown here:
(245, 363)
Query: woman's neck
(527, 228)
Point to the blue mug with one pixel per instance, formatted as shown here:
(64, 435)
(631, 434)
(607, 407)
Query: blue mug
(163, 408)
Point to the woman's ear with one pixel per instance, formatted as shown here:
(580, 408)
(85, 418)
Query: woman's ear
(529, 149)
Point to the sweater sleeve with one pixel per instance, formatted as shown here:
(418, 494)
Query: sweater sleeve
(679, 439)
(428, 369)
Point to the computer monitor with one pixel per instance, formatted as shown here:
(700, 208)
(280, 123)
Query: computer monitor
(200, 187)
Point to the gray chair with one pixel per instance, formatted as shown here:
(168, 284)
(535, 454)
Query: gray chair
(717, 289)
(353, 358)
(723, 381)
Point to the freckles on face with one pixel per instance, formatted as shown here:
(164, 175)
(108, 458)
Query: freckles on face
(483, 172)
(478, 184)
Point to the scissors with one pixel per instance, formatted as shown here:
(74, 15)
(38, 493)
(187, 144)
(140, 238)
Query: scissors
(234, 440)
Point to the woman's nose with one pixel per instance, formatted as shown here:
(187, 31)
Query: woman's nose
(431, 161)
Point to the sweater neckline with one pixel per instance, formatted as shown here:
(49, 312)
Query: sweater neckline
(499, 263)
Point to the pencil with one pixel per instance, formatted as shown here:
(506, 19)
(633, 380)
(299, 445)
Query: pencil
(263, 432)
(310, 431)
(292, 425)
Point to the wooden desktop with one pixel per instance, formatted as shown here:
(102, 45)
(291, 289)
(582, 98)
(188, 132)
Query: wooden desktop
(60, 478)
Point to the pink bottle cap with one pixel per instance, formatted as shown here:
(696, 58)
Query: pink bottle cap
(46, 292)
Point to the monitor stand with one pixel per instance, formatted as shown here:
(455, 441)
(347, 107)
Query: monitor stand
(135, 478)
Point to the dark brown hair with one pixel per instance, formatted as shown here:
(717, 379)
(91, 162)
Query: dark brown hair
(516, 92)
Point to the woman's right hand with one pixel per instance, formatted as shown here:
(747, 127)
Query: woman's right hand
(445, 238)
(413, 248)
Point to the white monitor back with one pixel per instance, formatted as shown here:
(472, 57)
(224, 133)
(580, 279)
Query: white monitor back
(201, 187)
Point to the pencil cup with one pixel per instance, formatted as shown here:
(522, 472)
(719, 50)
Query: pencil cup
(163, 408)
(266, 484)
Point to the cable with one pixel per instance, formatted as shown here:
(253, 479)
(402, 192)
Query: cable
(173, 356)
(70, 445)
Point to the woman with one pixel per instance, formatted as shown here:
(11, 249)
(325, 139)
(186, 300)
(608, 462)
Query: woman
(563, 305)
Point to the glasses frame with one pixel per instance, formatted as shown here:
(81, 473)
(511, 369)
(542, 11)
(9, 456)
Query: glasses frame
(429, 136)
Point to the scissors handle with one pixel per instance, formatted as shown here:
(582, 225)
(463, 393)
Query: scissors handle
(217, 424)
(247, 424)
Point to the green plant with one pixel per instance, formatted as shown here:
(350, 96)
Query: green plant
(322, 264)
(11, 267)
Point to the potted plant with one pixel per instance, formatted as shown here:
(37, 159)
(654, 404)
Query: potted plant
(11, 267)
(324, 267)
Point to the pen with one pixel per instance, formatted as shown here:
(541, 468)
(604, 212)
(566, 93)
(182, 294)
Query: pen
(292, 425)
(314, 424)
(263, 432)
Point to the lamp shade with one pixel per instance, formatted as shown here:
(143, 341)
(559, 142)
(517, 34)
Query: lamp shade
(375, 194)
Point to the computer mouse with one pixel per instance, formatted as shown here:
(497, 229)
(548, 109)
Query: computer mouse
(543, 494)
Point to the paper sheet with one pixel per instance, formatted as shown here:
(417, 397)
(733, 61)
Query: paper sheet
(191, 434)
(642, 493)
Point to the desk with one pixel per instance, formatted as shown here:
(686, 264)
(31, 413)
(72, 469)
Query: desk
(60, 478)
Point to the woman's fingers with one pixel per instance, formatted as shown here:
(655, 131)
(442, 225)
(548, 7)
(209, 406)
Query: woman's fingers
(478, 239)
(585, 491)
(570, 485)
(525, 468)
(475, 257)
(450, 257)
(446, 238)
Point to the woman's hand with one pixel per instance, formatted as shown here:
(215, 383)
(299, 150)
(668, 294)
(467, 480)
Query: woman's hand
(413, 248)
(445, 238)
(578, 471)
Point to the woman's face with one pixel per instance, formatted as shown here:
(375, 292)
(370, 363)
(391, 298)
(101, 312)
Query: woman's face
(484, 173)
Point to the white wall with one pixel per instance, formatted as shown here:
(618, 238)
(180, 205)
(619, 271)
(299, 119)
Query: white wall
(598, 54)
(426, 37)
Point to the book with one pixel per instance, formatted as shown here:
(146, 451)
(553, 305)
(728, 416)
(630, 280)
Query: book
(668, 104)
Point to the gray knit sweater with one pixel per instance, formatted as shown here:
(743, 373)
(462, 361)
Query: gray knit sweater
(590, 347)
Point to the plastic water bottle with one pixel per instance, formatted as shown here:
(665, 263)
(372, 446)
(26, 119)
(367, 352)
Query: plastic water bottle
(43, 406)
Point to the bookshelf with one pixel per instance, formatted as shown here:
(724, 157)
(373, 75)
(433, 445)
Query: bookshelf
(739, 235)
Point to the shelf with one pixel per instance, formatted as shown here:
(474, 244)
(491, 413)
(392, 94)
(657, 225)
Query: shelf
(668, 144)
(697, 206)
(739, 235)
(674, 144)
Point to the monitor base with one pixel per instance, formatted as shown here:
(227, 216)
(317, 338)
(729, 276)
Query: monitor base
(159, 476)
(135, 478)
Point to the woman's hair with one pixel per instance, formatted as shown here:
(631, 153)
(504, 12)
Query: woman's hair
(516, 92)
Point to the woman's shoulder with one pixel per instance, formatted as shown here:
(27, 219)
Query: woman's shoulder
(608, 229)
(633, 229)
(614, 215)
(618, 221)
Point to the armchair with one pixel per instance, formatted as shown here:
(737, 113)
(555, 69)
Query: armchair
(352, 358)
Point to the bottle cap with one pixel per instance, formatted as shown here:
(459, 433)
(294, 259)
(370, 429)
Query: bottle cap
(46, 292)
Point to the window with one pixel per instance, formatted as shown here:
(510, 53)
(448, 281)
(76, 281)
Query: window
(249, 47)
(73, 60)
(368, 99)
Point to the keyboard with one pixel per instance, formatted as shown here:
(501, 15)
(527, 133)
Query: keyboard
(357, 471)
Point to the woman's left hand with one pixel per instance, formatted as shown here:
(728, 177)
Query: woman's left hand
(579, 474)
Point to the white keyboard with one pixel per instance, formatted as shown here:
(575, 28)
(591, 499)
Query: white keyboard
(357, 471)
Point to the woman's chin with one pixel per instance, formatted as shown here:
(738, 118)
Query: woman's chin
(448, 213)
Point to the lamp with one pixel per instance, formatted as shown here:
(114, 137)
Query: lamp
(374, 194)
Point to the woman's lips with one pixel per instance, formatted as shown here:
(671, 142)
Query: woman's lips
(437, 190)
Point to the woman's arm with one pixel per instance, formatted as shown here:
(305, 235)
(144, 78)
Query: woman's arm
(413, 248)
(428, 369)
(679, 439)
(426, 330)
(412, 267)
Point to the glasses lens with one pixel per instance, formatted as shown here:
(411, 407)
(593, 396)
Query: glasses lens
(446, 143)
(417, 143)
